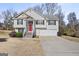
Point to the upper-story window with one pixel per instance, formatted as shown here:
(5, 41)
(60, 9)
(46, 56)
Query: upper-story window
(40, 22)
(51, 22)
(19, 21)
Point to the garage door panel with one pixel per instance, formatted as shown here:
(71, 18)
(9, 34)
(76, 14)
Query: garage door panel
(48, 33)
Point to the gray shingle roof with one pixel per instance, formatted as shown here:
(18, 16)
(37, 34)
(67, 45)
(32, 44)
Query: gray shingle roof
(45, 16)
(51, 17)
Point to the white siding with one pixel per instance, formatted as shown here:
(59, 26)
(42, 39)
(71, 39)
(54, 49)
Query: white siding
(37, 32)
(16, 30)
(54, 27)
(34, 15)
(57, 23)
(51, 30)
(19, 26)
(41, 26)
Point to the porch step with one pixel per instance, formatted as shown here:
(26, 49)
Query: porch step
(28, 35)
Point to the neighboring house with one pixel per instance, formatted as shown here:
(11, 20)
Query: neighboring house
(32, 23)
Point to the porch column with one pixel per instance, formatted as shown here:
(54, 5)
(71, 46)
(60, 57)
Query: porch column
(34, 30)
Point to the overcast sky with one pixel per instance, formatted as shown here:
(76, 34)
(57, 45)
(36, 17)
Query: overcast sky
(66, 7)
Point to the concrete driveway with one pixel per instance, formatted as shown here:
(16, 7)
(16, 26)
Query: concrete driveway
(57, 46)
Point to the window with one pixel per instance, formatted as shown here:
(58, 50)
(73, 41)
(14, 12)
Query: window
(20, 21)
(20, 30)
(51, 22)
(40, 22)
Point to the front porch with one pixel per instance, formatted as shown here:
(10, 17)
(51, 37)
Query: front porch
(30, 29)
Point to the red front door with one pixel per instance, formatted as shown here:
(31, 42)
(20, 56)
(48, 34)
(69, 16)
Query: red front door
(30, 26)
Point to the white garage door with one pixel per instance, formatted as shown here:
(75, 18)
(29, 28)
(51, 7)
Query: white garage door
(47, 32)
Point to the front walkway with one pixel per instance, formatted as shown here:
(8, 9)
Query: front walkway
(56, 46)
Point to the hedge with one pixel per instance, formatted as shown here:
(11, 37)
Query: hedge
(19, 34)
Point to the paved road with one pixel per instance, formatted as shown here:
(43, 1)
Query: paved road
(56, 46)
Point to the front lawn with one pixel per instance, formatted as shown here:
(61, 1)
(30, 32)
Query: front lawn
(4, 33)
(20, 46)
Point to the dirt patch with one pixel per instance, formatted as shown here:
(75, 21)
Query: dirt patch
(24, 47)
(20, 47)
(4, 33)
(71, 38)
(3, 39)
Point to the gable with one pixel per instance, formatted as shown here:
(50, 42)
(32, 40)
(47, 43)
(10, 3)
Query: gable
(22, 16)
(30, 13)
(34, 15)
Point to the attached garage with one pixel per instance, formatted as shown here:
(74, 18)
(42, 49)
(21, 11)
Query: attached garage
(46, 32)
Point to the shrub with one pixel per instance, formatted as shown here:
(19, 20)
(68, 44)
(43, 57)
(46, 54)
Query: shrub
(34, 35)
(59, 33)
(19, 34)
(77, 34)
(70, 32)
(73, 35)
(12, 34)
(64, 33)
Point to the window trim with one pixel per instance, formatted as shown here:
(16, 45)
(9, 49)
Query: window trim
(42, 22)
(53, 23)
(19, 21)
(21, 30)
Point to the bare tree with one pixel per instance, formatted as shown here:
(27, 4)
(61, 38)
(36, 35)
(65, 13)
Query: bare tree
(72, 20)
(72, 26)
(50, 8)
(39, 8)
(7, 16)
(47, 8)
(60, 15)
